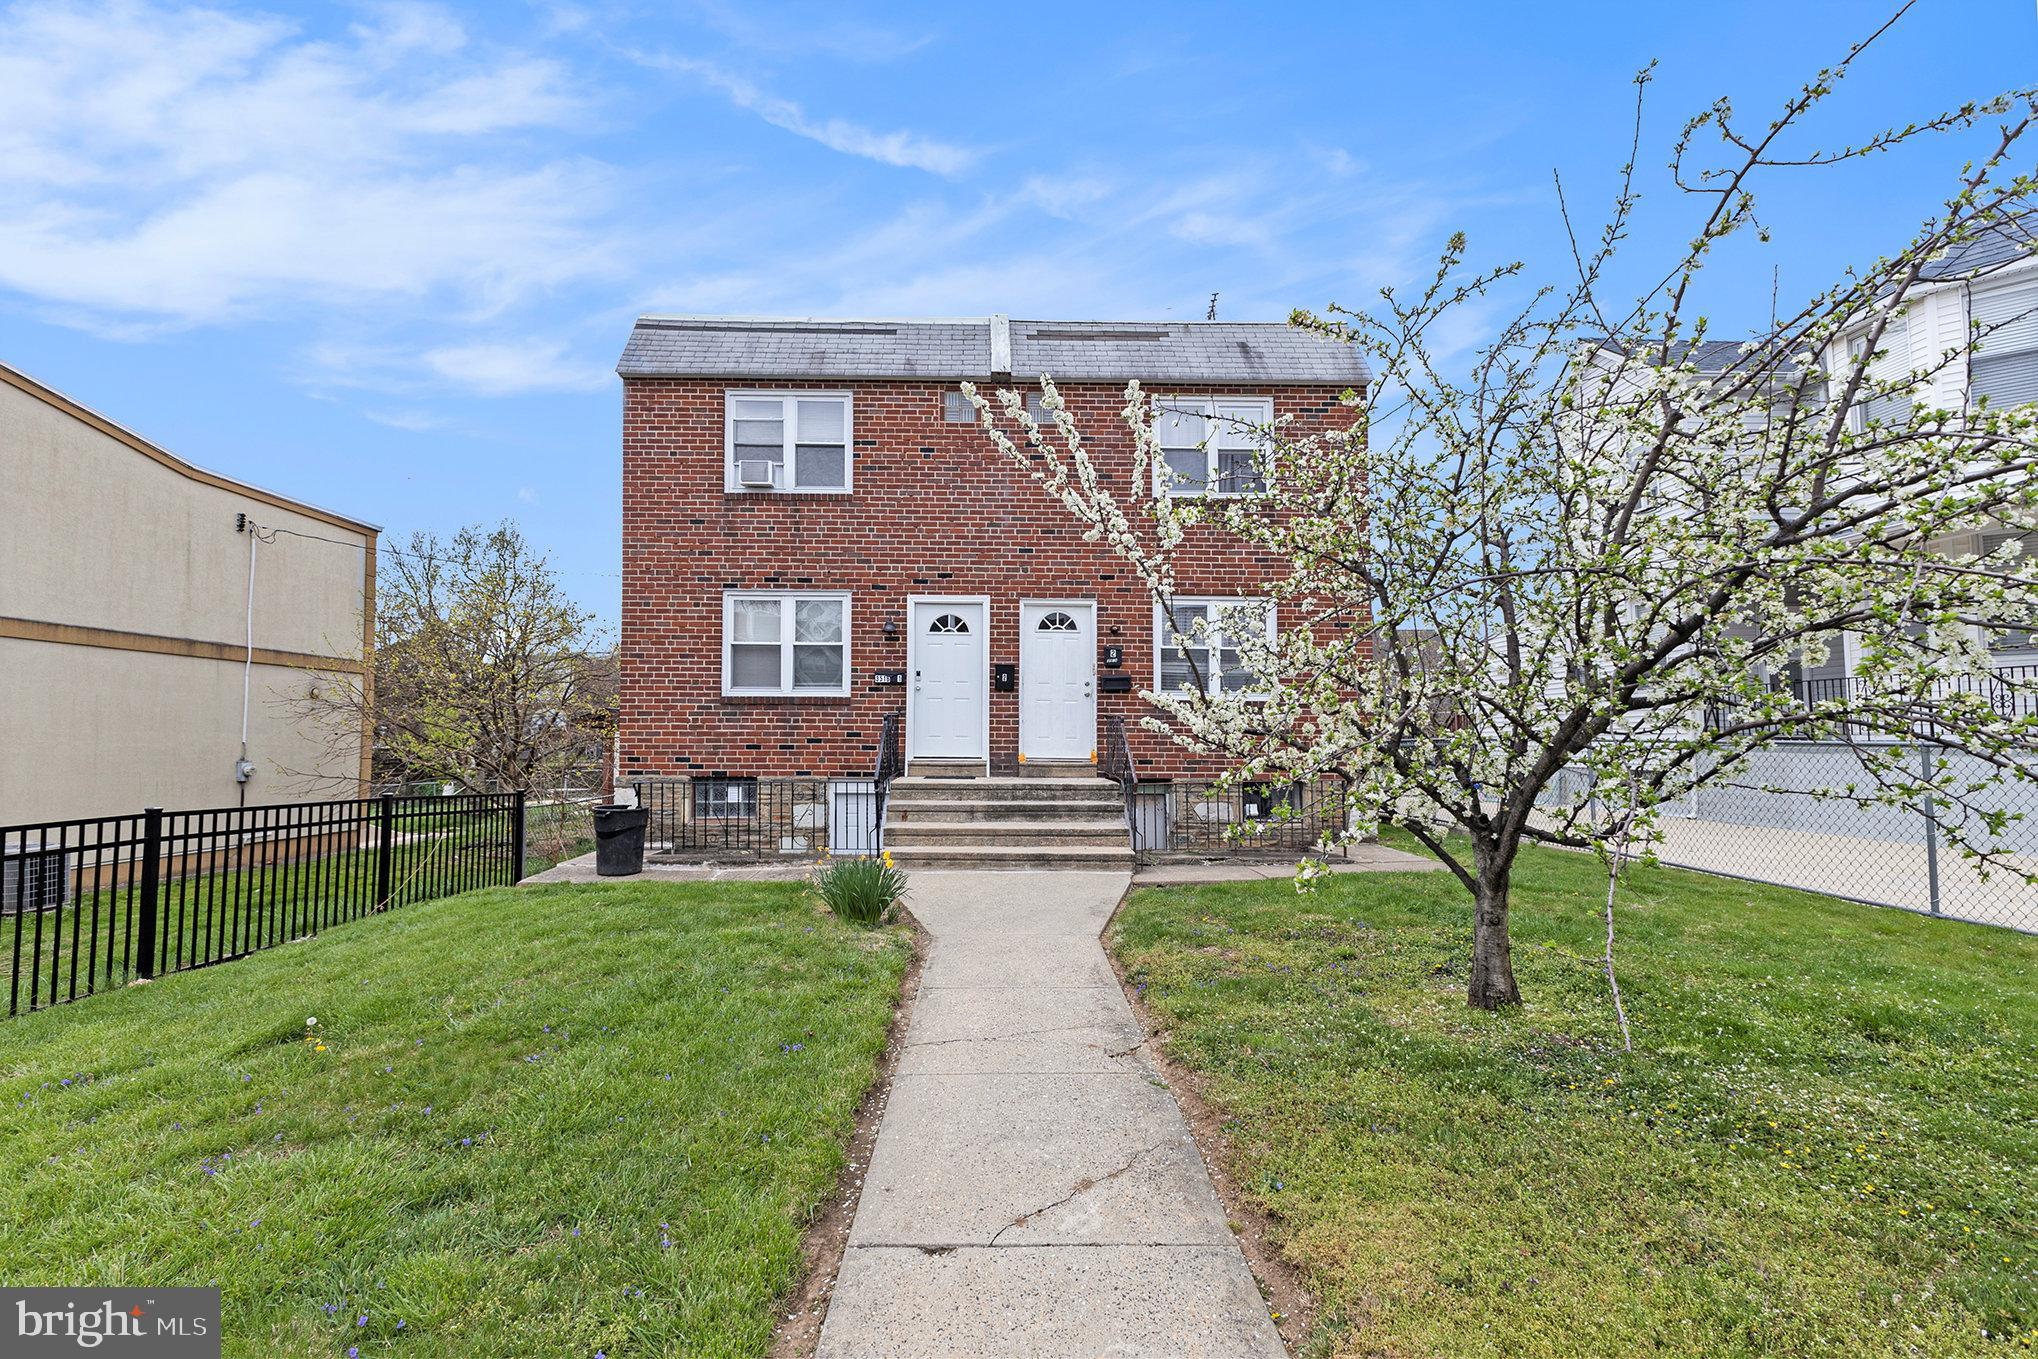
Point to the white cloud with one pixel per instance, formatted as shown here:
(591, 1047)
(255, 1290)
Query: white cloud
(504, 367)
(906, 149)
(527, 494)
(401, 25)
(187, 166)
(763, 30)
(1066, 195)
(413, 421)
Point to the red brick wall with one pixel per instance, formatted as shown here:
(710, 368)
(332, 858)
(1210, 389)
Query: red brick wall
(935, 510)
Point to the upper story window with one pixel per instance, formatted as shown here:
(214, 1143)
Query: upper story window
(785, 643)
(1893, 408)
(788, 441)
(2005, 368)
(1205, 644)
(1210, 445)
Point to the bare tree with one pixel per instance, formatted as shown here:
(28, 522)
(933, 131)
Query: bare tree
(486, 674)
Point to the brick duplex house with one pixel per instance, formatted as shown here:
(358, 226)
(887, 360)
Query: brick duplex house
(816, 535)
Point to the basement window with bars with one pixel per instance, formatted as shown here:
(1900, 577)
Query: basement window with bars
(1205, 642)
(788, 441)
(724, 799)
(1210, 445)
(785, 644)
(1270, 801)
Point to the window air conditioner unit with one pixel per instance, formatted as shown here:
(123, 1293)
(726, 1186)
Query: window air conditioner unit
(756, 472)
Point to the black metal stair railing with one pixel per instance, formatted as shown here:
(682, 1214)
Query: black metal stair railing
(1117, 765)
(890, 760)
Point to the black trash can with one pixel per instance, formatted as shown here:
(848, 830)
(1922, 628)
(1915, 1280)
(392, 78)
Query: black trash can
(619, 840)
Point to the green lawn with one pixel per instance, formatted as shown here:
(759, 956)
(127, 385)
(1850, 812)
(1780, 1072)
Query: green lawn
(1826, 1142)
(551, 1121)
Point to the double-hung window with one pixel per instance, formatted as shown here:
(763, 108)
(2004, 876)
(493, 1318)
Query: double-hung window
(2005, 368)
(786, 644)
(788, 441)
(1205, 645)
(1210, 445)
(1890, 408)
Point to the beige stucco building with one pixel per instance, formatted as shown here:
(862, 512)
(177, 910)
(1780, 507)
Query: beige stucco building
(126, 622)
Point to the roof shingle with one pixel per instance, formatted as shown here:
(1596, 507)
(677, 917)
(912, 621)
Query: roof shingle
(1068, 351)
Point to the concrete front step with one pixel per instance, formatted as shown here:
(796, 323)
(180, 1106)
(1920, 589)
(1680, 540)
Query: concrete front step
(1091, 858)
(1029, 823)
(1058, 769)
(900, 810)
(948, 769)
(915, 788)
(904, 835)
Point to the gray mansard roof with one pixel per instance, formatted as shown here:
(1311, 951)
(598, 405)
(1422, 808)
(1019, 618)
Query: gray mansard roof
(1993, 247)
(752, 347)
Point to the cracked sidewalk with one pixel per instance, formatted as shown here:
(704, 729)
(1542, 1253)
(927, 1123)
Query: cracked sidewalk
(1034, 1191)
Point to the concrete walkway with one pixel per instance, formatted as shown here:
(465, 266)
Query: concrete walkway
(1358, 859)
(1034, 1191)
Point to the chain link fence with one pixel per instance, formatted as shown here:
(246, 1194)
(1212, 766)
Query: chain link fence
(1770, 824)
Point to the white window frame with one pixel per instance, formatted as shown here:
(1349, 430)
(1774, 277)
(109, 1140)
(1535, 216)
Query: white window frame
(786, 600)
(1207, 407)
(1213, 676)
(788, 449)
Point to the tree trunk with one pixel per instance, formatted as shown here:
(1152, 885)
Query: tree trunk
(1492, 984)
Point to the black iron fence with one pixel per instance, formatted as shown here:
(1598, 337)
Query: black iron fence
(723, 817)
(703, 818)
(1204, 817)
(96, 902)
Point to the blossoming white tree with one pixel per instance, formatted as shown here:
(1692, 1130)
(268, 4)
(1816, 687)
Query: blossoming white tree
(1582, 551)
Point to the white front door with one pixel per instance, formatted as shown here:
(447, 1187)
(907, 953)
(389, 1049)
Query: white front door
(946, 721)
(1057, 681)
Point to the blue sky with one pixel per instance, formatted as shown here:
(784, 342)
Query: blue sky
(383, 256)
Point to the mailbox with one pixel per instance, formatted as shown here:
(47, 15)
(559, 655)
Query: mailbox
(1114, 656)
(1114, 684)
(887, 677)
(1004, 678)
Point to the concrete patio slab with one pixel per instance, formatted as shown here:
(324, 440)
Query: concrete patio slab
(1034, 1191)
(1162, 1302)
(581, 870)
